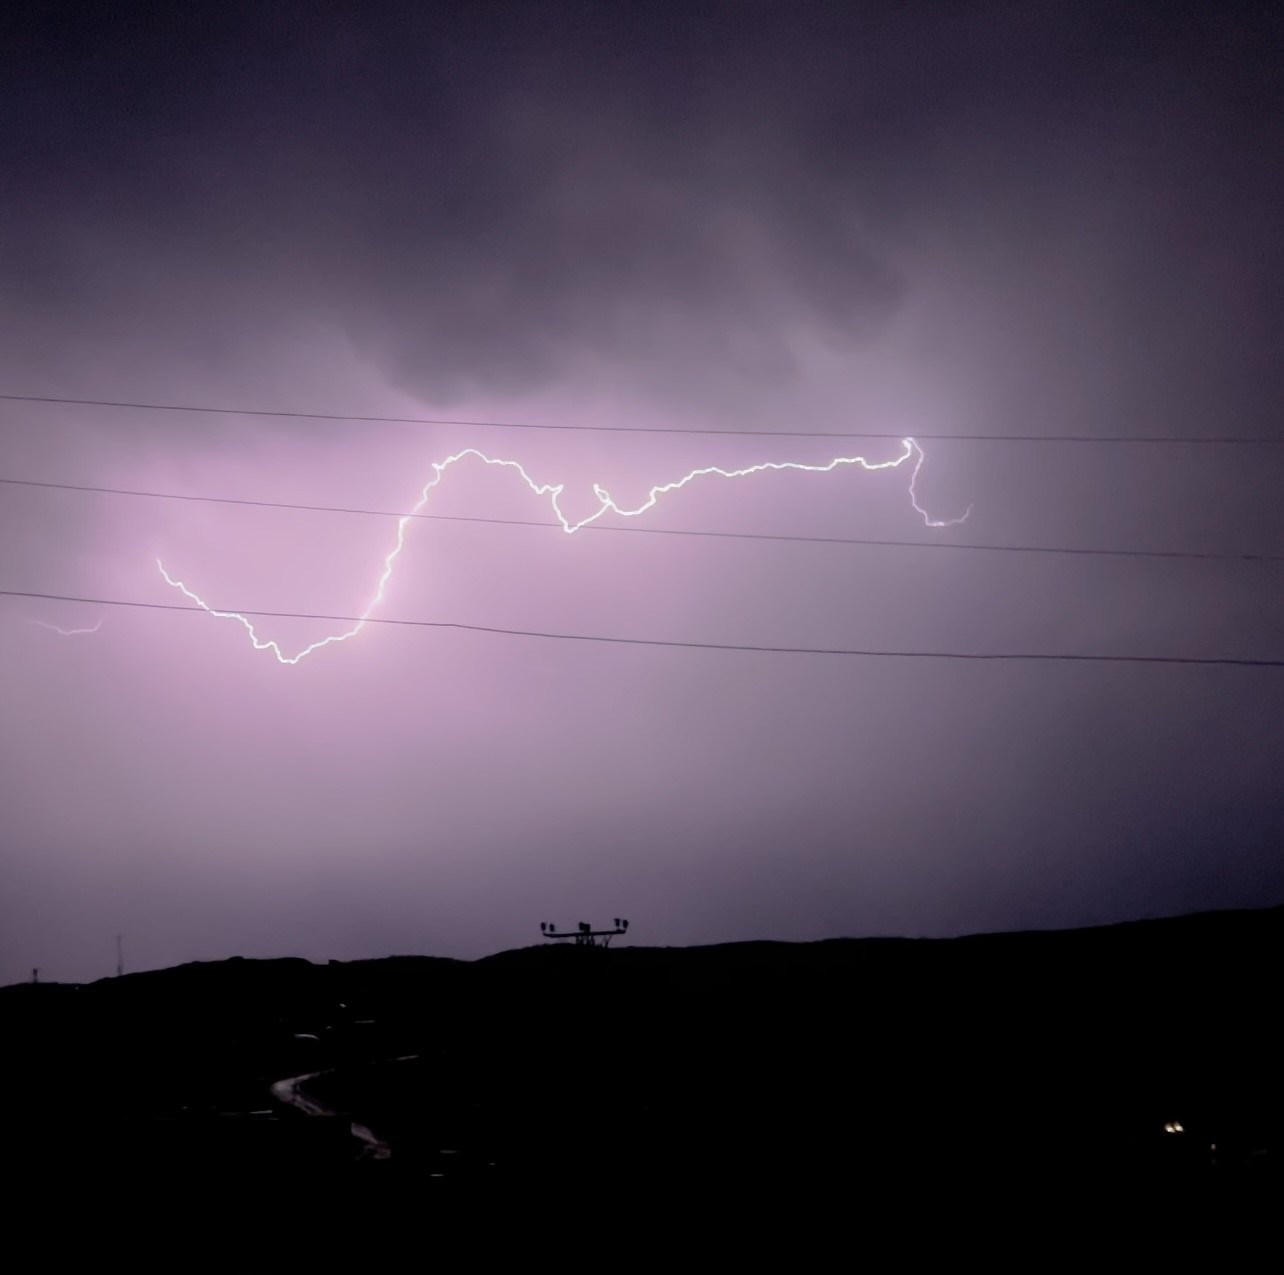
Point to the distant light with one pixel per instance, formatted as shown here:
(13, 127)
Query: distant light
(1173, 1127)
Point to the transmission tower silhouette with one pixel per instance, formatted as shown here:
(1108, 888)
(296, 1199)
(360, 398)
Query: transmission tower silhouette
(584, 935)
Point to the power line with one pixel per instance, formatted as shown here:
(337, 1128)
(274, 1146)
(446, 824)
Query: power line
(1191, 555)
(1044, 657)
(639, 429)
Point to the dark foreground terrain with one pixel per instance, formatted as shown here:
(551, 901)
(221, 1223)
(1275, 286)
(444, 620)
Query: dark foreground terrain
(1143, 1055)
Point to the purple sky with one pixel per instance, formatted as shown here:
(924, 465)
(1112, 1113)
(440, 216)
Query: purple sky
(992, 218)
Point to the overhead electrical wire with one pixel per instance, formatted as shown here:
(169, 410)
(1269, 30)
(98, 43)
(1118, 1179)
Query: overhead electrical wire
(978, 656)
(1167, 439)
(1191, 555)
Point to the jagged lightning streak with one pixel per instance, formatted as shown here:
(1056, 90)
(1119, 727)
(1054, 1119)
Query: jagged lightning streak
(44, 624)
(910, 450)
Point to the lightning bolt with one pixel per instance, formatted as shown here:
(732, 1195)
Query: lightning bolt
(44, 624)
(910, 451)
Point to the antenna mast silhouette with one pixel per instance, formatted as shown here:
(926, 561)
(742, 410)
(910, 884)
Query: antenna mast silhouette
(584, 935)
(120, 955)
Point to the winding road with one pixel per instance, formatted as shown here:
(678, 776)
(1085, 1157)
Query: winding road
(292, 1093)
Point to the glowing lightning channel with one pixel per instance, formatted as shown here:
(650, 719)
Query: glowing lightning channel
(606, 504)
(44, 624)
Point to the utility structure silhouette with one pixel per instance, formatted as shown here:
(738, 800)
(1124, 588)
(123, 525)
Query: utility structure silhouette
(584, 935)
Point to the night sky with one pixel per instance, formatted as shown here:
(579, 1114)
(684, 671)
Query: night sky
(921, 220)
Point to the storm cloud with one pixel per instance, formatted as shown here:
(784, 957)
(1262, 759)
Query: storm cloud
(973, 219)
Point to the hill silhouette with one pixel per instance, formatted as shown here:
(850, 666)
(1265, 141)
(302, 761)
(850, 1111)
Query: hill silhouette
(1146, 1049)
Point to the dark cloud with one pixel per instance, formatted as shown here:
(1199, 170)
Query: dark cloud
(480, 202)
(486, 198)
